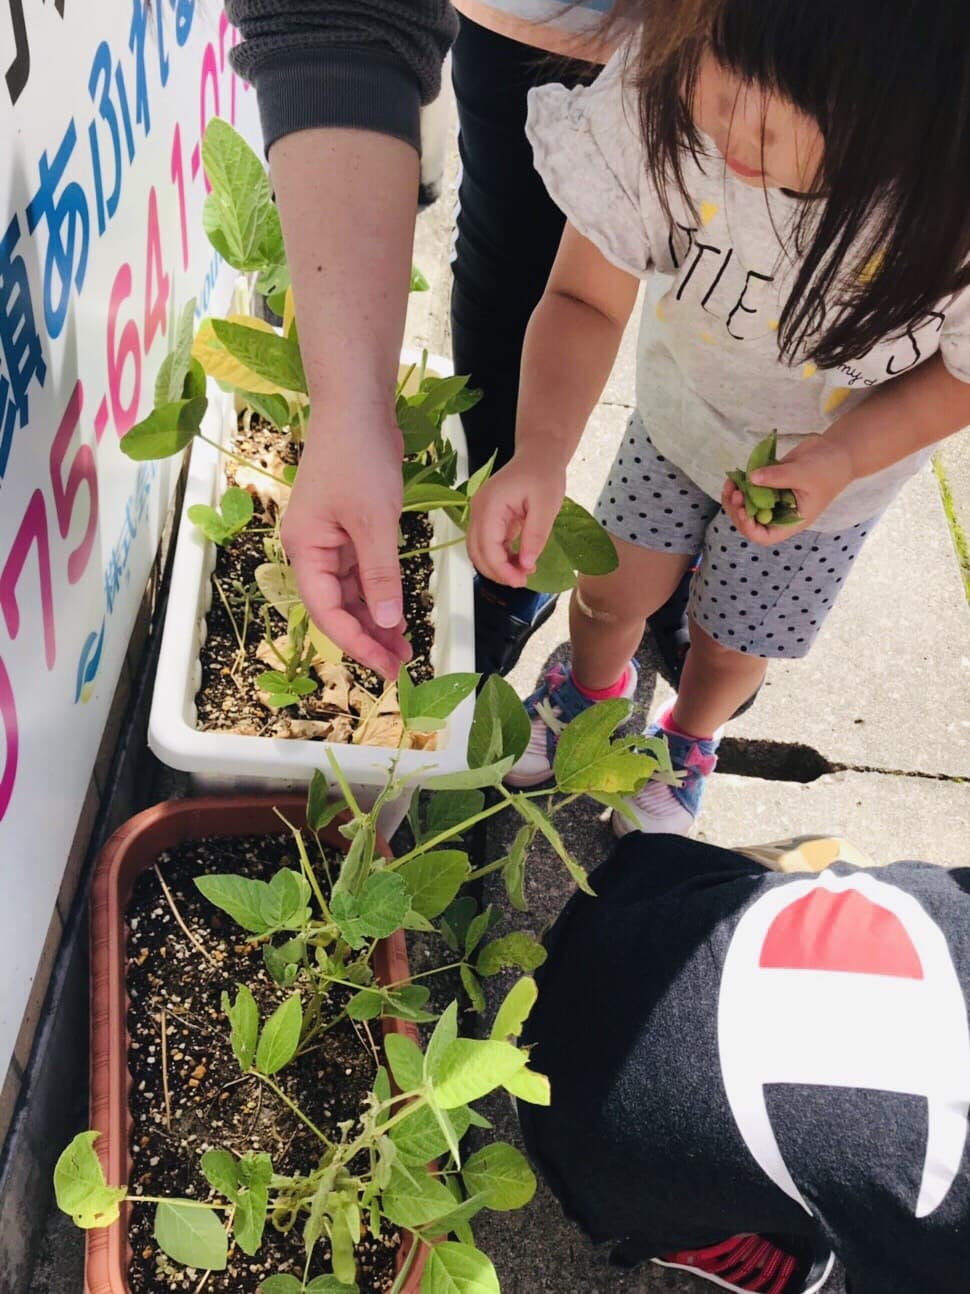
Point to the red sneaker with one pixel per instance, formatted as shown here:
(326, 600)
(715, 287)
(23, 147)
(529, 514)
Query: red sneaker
(757, 1264)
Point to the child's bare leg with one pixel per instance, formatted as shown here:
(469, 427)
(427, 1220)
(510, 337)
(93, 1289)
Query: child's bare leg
(607, 612)
(716, 680)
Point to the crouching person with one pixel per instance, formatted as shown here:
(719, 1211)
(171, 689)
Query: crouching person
(772, 1068)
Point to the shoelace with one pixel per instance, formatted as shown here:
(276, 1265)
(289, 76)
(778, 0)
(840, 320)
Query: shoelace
(752, 1259)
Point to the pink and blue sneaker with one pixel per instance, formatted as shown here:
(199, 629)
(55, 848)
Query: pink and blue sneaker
(555, 702)
(670, 804)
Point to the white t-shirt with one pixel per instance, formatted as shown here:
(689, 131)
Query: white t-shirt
(710, 380)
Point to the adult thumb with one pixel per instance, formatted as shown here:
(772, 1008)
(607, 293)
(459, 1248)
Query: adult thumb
(379, 572)
(779, 475)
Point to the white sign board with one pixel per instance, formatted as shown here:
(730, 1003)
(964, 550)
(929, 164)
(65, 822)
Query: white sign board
(101, 245)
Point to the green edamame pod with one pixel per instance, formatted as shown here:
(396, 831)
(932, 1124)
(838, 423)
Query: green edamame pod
(750, 507)
(764, 453)
(764, 496)
(788, 498)
(765, 516)
(738, 477)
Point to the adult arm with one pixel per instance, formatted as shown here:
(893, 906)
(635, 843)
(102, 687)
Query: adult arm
(340, 87)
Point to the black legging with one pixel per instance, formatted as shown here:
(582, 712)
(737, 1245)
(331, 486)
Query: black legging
(508, 227)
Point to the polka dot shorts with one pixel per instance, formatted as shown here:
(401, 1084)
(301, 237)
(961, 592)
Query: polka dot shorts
(763, 601)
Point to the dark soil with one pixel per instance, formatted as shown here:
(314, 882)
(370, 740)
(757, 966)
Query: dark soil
(227, 700)
(210, 1103)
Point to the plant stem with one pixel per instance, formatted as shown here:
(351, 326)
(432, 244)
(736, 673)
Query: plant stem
(306, 865)
(433, 548)
(240, 640)
(178, 917)
(344, 786)
(487, 870)
(165, 1090)
(181, 1203)
(243, 462)
(450, 834)
(401, 1279)
(294, 1108)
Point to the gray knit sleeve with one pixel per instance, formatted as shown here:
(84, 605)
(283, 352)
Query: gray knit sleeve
(369, 64)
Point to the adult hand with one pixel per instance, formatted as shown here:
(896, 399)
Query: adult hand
(340, 532)
(519, 503)
(816, 471)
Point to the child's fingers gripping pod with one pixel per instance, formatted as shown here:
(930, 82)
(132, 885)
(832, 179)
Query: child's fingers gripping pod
(765, 504)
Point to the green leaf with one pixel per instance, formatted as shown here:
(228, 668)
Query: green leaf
(166, 430)
(274, 408)
(275, 358)
(365, 1005)
(554, 571)
(244, 1019)
(478, 479)
(478, 928)
(529, 1086)
(219, 1170)
(407, 1003)
(470, 778)
(516, 949)
(321, 809)
(406, 1061)
(419, 1138)
(376, 912)
(192, 1236)
(275, 683)
(283, 963)
(330, 1285)
(174, 368)
(239, 217)
(471, 1068)
(423, 496)
(194, 386)
(472, 987)
(414, 1200)
(586, 760)
(426, 707)
(501, 1174)
(445, 1033)
(281, 1285)
(256, 1173)
(285, 903)
(454, 1268)
(587, 546)
(534, 815)
(513, 873)
(514, 1011)
(500, 728)
(236, 507)
(209, 522)
(280, 1038)
(444, 394)
(449, 809)
(242, 898)
(455, 921)
(418, 282)
(434, 879)
(81, 1188)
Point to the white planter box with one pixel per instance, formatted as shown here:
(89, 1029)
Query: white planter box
(221, 762)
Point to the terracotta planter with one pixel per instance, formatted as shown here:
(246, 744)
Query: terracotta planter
(131, 850)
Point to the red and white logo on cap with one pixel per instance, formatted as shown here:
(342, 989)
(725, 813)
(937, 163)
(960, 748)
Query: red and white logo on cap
(845, 981)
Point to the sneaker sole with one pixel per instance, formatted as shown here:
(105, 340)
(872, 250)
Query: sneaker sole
(526, 780)
(742, 1289)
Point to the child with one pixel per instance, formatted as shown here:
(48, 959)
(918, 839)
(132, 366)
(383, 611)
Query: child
(801, 169)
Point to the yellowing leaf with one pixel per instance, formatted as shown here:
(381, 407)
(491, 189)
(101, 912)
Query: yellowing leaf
(218, 363)
(289, 312)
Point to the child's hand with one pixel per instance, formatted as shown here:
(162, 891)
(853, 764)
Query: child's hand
(519, 503)
(816, 470)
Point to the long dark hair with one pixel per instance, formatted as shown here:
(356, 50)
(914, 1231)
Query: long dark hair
(888, 82)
